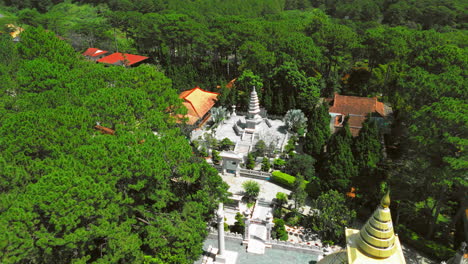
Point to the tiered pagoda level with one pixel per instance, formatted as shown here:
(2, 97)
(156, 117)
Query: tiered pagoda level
(254, 105)
(376, 238)
(253, 116)
(375, 243)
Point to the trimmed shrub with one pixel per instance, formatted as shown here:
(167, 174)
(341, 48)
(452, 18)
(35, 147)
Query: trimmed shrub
(285, 179)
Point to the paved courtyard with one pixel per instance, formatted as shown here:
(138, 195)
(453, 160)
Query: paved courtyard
(268, 189)
(271, 256)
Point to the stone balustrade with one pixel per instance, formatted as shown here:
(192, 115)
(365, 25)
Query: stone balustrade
(294, 246)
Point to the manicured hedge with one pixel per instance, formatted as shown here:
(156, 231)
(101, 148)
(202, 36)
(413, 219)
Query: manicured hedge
(428, 247)
(285, 179)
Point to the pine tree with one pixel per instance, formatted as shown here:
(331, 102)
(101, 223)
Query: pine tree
(367, 147)
(299, 194)
(339, 165)
(367, 151)
(250, 162)
(266, 164)
(318, 131)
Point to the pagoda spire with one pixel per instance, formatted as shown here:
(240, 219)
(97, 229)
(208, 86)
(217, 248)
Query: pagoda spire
(254, 105)
(377, 239)
(253, 116)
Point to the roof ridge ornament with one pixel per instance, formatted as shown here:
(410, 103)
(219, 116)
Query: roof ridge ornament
(385, 202)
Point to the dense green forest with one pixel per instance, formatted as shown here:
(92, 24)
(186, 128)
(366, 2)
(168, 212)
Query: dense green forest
(411, 54)
(72, 194)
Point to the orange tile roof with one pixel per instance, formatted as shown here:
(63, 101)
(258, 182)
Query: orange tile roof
(93, 52)
(198, 102)
(355, 105)
(121, 58)
(357, 108)
(356, 121)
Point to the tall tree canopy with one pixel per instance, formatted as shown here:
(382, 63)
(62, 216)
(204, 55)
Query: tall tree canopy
(72, 194)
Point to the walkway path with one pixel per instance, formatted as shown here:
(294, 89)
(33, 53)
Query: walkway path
(257, 231)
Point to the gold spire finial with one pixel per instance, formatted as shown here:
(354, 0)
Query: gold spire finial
(385, 202)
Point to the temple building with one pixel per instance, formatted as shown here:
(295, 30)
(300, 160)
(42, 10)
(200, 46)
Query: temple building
(122, 59)
(94, 54)
(245, 131)
(198, 103)
(358, 109)
(375, 243)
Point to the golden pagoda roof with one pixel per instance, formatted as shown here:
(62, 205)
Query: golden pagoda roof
(376, 241)
(355, 255)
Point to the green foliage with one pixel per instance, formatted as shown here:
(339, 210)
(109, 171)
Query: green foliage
(36, 43)
(279, 163)
(203, 152)
(244, 85)
(283, 179)
(239, 224)
(290, 147)
(295, 120)
(279, 230)
(298, 193)
(266, 165)
(250, 164)
(339, 166)
(293, 52)
(251, 189)
(332, 216)
(292, 218)
(318, 131)
(218, 115)
(281, 198)
(225, 144)
(443, 144)
(72, 194)
(215, 156)
(301, 164)
(260, 148)
(210, 141)
(432, 248)
(367, 153)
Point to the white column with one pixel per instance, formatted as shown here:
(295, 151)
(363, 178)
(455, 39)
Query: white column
(246, 229)
(220, 213)
(269, 226)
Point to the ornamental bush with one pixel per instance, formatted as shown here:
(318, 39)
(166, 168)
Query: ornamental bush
(285, 179)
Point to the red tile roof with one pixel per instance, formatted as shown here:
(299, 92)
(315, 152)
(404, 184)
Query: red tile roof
(355, 105)
(93, 52)
(122, 59)
(357, 108)
(198, 102)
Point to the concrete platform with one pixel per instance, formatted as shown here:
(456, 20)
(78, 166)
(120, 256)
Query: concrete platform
(229, 257)
(256, 246)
